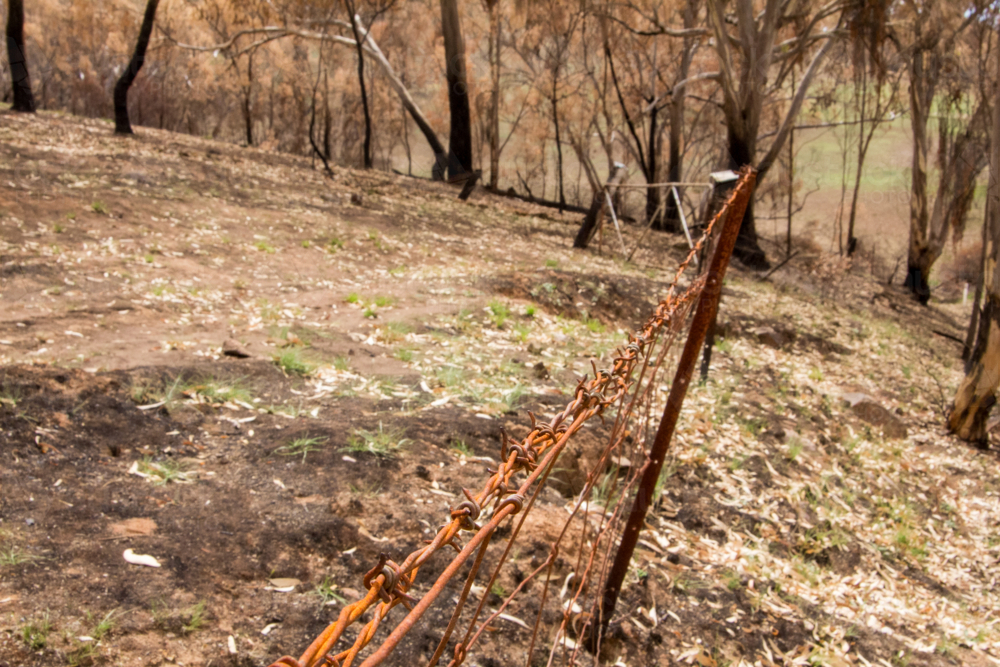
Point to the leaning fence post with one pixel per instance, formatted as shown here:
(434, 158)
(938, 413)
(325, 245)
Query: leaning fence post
(703, 317)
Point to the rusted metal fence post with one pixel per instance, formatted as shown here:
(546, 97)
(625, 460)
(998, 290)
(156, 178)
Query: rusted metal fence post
(703, 317)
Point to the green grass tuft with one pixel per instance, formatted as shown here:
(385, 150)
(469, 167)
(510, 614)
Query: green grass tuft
(35, 633)
(499, 313)
(301, 446)
(383, 443)
(293, 362)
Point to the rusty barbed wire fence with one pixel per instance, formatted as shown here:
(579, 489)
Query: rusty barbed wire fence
(388, 584)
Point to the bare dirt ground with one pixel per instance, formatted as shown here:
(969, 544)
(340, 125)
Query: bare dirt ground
(378, 309)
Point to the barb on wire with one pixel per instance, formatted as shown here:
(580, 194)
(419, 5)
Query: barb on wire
(388, 584)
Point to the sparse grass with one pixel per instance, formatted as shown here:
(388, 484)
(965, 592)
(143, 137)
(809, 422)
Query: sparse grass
(383, 301)
(450, 376)
(498, 590)
(595, 325)
(57, 228)
(551, 264)
(264, 246)
(12, 557)
(460, 447)
(383, 443)
(521, 332)
(606, 491)
(352, 298)
(84, 655)
(302, 446)
(10, 396)
(269, 312)
(341, 363)
(369, 313)
(732, 580)
(103, 626)
(195, 617)
(670, 468)
(946, 646)
(816, 375)
(163, 472)
(97, 206)
(306, 243)
(219, 392)
(293, 362)
(334, 244)
(512, 396)
(794, 449)
(530, 310)
(393, 332)
(724, 345)
(35, 633)
(684, 584)
(366, 490)
(404, 354)
(499, 313)
(752, 426)
(145, 393)
(327, 592)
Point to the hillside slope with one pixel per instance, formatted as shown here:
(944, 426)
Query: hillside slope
(392, 331)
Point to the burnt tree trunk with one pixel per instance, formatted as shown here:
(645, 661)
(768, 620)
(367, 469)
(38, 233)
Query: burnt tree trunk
(653, 171)
(747, 250)
(593, 217)
(924, 71)
(247, 104)
(977, 393)
(20, 80)
(559, 153)
(122, 123)
(460, 142)
(494, 113)
(359, 41)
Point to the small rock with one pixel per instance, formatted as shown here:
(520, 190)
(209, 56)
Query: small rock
(534, 349)
(540, 371)
(356, 198)
(233, 348)
(869, 410)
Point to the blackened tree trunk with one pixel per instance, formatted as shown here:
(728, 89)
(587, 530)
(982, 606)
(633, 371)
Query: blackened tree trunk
(122, 124)
(494, 114)
(559, 153)
(747, 250)
(367, 150)
(653, 171)
(460, 147)
(20, 81)
(248, 101)
(592, 220)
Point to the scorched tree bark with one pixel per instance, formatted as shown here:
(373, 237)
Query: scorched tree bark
(122, 124)
(18, 59)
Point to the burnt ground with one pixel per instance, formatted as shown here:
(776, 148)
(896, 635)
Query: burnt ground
(788, 531)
